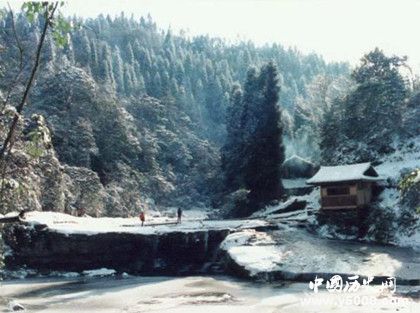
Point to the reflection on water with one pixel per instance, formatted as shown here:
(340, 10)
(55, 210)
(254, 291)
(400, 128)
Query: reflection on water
(191, 294)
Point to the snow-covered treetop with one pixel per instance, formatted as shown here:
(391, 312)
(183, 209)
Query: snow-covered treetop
(341, 173)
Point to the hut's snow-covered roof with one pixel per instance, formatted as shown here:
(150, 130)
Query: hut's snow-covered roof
(342, 173)
(297, 167)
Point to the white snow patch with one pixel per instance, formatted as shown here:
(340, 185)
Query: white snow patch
(15, 306)
(342, 173)
(257, 259)
(271, 209)
(70, 274)
(312, 200)
(125, 275)
(410, 241)
(99, 272)
(401, 159)
(389, 198)
(253, 250)
(249, 236)
(68, 224)
(294, 183)
(417, 178)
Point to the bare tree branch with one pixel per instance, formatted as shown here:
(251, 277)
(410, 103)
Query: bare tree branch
(20, 48)
(8, 143)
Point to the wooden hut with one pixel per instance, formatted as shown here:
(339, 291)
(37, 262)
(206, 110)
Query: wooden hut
(345, 186)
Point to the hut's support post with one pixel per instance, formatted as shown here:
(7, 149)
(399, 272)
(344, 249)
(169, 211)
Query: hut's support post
(362, 213)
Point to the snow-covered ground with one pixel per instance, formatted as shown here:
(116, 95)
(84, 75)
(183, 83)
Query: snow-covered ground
(279, 211)
(194, 295)
(405, 158)
(68, 224)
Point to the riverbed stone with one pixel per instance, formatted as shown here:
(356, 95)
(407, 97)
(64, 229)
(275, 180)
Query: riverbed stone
(298, 256)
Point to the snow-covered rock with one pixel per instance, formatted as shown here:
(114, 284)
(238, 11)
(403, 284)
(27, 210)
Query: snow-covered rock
(68, 224)
(59, 242)
(15, 306)
(254, 251)
(99, 272)
(290, 254)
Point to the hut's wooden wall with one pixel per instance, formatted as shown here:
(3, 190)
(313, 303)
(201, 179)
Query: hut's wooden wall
(346, 195)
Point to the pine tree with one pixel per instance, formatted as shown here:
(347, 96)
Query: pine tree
(118, 67)
(94, 58)
(373, 109)
(156, 88)
(83, 52)
(168, 44)
(251, 97)
(128, 79)
(265, 148)
(49, 54)
(130, 54)
(253, 152)
(232, 149)
(330, 132)
(105, 67)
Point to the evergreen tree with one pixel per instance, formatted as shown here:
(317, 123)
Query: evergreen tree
(94, 58)
(168, 44)
(232, 150)
(130, 54)
(118, 67)
(362, 125)
(83, 52)
(329, 132)
(128, 79)
(49, 54)
(251, 98)
(105, 66)
(373, 110)
(265, 149)
(253, 152)
(156, 88)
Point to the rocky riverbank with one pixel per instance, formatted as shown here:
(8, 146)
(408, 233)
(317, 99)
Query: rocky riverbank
(295, 255)
(59, 242)
(252, 249)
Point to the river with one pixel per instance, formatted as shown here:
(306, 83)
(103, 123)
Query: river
(193, 294)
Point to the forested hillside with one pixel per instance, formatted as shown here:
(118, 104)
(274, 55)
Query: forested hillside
(143, 109)
(376, 117)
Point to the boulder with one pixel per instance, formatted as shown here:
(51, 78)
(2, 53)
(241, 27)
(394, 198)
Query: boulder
(298, 256)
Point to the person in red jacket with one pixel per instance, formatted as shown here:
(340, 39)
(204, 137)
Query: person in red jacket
(142, 217)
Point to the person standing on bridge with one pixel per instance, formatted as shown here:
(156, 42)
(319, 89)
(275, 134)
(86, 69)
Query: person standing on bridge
(179, 213)
(142, 217)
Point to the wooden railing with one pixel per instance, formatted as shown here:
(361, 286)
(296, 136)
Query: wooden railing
(339, 201)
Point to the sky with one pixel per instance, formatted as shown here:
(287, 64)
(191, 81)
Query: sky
(339, 30)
